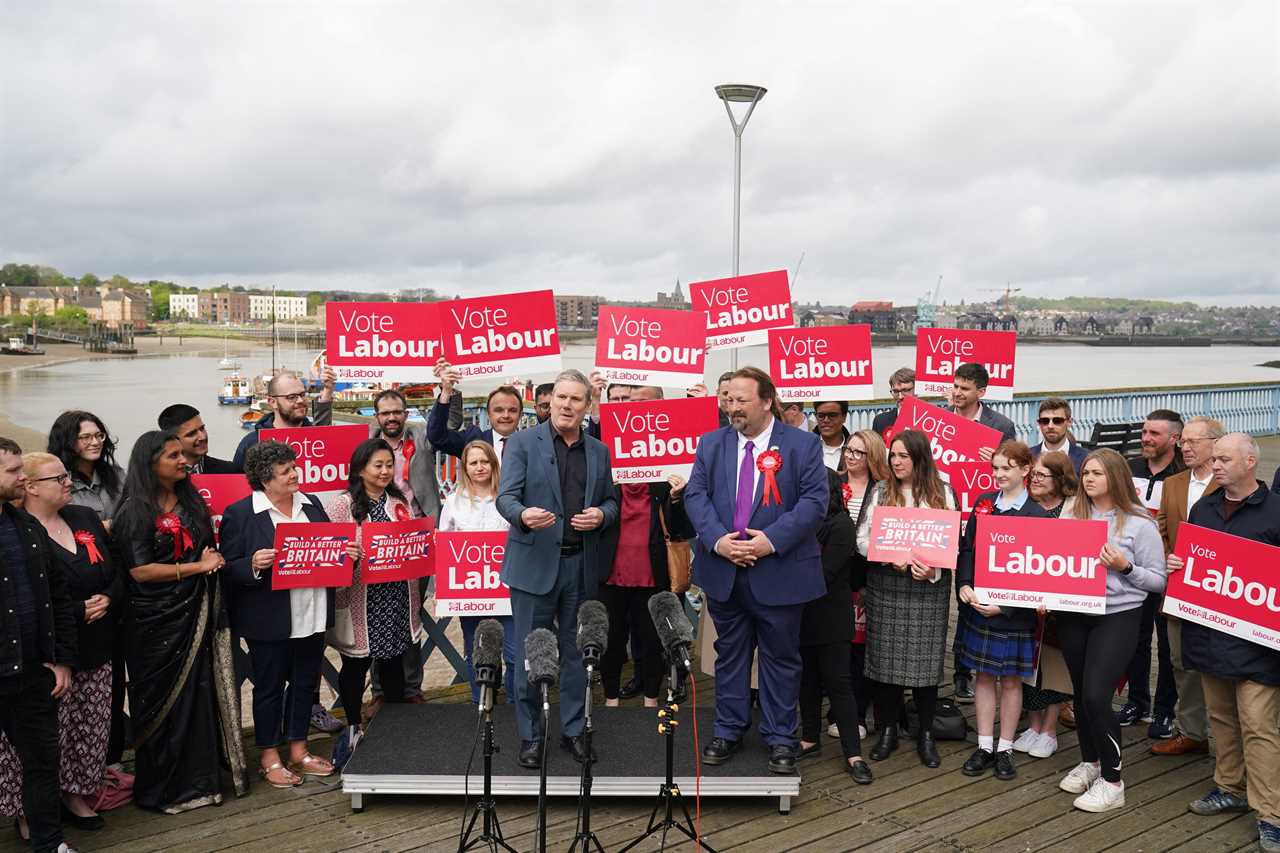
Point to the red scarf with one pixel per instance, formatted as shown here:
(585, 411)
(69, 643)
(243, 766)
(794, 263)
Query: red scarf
(169, 523)
(85, 538)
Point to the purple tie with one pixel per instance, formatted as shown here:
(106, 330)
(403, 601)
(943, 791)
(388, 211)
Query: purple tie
(746, 489)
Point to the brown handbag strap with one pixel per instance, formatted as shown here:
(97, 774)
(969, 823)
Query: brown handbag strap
(662, 520)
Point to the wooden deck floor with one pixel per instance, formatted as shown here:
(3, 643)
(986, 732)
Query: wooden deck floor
(908, 808)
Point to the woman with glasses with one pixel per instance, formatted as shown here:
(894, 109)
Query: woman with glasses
(1053, 486)
(83, 554)
(996, 642)
(907, 603)
(85, 447)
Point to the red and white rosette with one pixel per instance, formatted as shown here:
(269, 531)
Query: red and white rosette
(85, 538)
(170, 524)
(985, 507)
(769, 464)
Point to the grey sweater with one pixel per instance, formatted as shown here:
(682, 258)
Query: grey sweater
(1139, 541)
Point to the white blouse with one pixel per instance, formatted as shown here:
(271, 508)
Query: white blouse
(462, 512)
(308, 608)
(864, 529)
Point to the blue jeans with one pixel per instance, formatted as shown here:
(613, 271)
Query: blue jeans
(469, 625)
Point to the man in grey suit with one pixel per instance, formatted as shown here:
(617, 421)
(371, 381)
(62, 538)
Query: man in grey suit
(557, 492)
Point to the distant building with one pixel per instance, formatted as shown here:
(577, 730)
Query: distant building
(674, 299)
(286, 307)
(988, 321)
(224, 306)
(25, 300)
(126, 305)
(184, 306)
(577, 312)
(883, 317)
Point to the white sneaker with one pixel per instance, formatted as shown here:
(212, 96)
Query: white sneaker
(1080, 778)
(1045, 746)
(1102, 796)
(862, 732)
(833, 730)
(1026, 741)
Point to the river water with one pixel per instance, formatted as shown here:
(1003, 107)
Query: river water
(128, 393)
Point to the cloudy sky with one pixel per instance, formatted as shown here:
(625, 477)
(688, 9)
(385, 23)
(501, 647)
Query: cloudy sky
(1101, 148)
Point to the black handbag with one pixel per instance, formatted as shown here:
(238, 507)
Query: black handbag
(948, 721)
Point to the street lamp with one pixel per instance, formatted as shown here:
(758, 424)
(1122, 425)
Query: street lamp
(738, 93)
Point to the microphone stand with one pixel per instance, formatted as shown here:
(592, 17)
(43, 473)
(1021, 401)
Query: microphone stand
(542, 773)
(669, 793)
(585, 836)
(491, 835)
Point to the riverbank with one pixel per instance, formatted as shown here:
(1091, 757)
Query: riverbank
(63, 353)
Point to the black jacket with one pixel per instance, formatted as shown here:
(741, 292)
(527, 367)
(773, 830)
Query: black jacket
(214, 465)
(1218, 653)
(677, 524)
(884, 420)
(1009, 618)
(84, 579)
(321, 415)
(257, 611)
(55, 611)
(829, 619)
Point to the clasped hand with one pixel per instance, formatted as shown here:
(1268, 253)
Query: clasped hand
(744, 552)
(536, 518)
(918, 570)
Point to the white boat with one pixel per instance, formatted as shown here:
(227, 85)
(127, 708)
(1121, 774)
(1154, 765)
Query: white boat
(227, 362)
(237, 391)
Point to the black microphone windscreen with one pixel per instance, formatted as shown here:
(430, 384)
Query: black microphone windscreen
(541, 656)
(487, 648)
(674, 628)
(593, 627)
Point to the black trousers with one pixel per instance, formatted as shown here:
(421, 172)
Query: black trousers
(826, 667)
(29, 718)
(628, 608)
(889, 704)
(351, 683)
(1140, 665)
(277, 663)
(1097, 650)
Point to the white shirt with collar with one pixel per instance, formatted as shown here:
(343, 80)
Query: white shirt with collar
(1065, 447)
(1195, 490)
(760, 443)
(832, 454)
(308, 608)
(500, 443)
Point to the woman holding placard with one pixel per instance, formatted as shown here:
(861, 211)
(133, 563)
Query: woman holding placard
(907, 604)
(1053, 485)
(372, 622)
(997, 643)
(1098, 648)
(472, 506)
(283, 627)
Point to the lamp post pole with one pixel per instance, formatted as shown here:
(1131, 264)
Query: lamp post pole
(739, 93)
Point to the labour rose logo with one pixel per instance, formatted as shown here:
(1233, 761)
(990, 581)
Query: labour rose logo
(985, 507)
(846, 491)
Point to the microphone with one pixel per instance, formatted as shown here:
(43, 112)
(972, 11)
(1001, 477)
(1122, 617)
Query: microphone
(486, 660)
(593, 632)
(542, 661)
(674, 631)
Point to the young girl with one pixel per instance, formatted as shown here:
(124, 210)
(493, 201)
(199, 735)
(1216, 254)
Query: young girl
(997, 643)
(1098, 648)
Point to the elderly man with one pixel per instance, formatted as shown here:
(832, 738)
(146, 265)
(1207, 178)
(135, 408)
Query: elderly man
(290, 403)
(557, 493)
(1241, 679)
(756, 496)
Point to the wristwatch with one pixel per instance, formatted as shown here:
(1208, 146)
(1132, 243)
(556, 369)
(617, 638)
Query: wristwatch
(1127, 569)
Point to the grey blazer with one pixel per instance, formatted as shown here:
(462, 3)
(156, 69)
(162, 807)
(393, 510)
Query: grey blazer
(530, 478)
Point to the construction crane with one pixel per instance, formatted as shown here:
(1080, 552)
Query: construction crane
(1008, 295)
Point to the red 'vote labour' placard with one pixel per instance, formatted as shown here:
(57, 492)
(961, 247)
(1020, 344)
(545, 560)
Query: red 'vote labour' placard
(651, 440)
(382, 341)
(741, 310)
(940, 351)
(899, 533)
(1026, 562)
(1227, 583)
(467, 569)
(969, 480)
(954, 439)
(821, 363)
(651, 346)
(498, 337)
(312, 554)
(324, 453)
(397, 550)
(219, 492)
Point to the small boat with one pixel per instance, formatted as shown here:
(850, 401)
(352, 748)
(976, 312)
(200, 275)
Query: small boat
(227, 362)
(16, 346)
(236, 392)
(249, 418)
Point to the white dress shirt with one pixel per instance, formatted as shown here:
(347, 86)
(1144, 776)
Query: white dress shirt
(1195, 490)
(462, 512)
(500, 444)
(759, 444)
(831, 455)
(308, 608)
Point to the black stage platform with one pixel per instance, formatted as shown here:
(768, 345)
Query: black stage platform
(423, 749)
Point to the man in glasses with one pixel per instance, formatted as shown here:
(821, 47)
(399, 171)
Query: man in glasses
(831, 415)
(542, 401)
(185, 421)
(901, 383)
(1055, 432)
(290, 403)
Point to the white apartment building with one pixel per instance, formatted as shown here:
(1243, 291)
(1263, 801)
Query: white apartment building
(184, 305)
(286, 307)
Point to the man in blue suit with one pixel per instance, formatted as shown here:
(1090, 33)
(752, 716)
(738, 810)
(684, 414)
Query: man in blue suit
(757, 561)
(504, 408)
(557, 492)
(1054, 421)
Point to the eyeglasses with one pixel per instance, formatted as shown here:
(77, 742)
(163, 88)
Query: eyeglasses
(1196, 440)
(62, 478)
(827, 416)
(399, 413)
(854, 454)
(292, 398)
(1036, 475)
(1055, 421)
(92, 437)
(902, 392)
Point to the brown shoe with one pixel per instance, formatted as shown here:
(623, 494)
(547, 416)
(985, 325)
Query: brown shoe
(416, 699)
(1067, 716)
(1179, 744)
(371, 708)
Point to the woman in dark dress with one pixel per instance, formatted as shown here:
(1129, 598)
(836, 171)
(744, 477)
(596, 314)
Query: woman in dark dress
(182, 689)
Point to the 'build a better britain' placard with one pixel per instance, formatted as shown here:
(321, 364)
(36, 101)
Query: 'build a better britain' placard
(651, 346)
(740, 311)
(312, 554)
(821, 363)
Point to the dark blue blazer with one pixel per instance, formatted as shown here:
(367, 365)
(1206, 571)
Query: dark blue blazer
(257, 611)
(452, 441)
(1076, 452)
(791, 575)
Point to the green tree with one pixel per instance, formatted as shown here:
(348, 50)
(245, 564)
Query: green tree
(71, 315)
(20, 275)
(90, 280)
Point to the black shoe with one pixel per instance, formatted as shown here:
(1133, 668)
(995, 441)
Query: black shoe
(887, 745)
(1004, 766)
(928, 750)
(809, 751)
(978, 763)
(719, 750)
(90, 824)
(860, 772)
(1161, 728)
(631, 689)
(782, 760)
(1130, 715)
(531, 754)
(964, 690)
(577, 747)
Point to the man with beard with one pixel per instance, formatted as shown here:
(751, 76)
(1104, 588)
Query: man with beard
(186, 422)
(287, 397)
(1054, 421)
